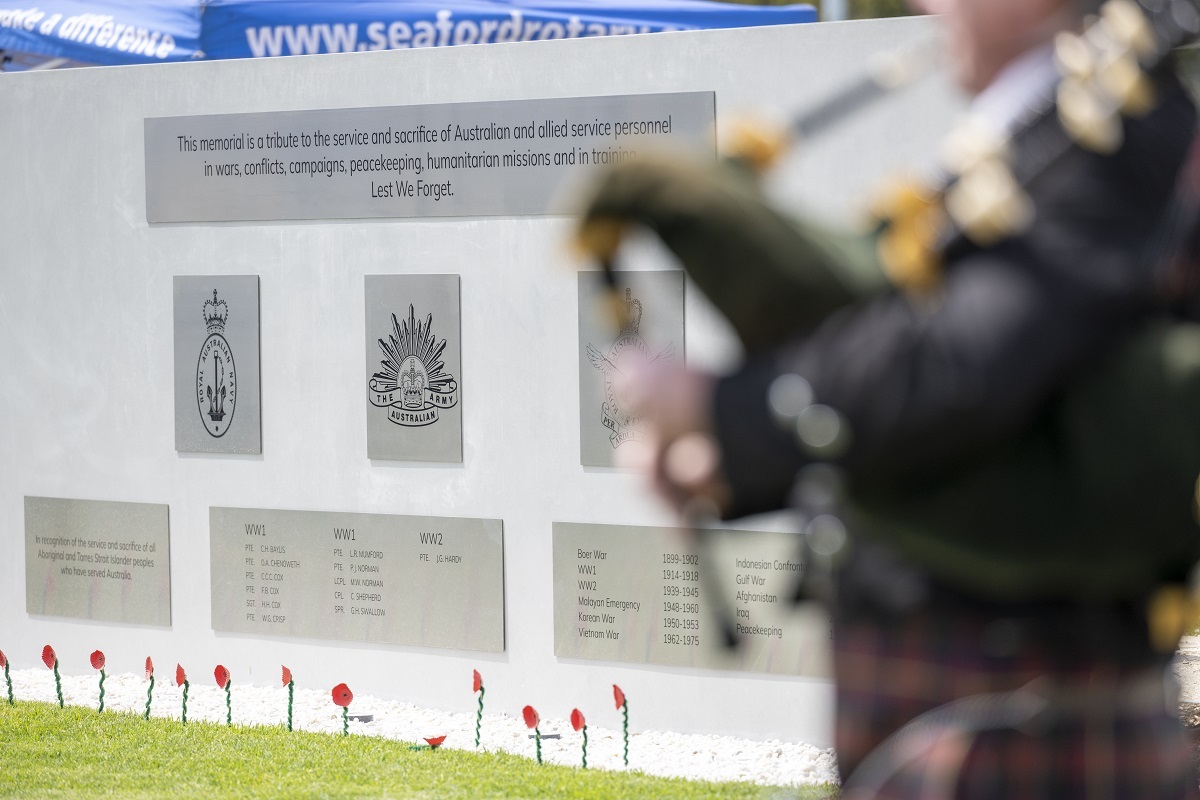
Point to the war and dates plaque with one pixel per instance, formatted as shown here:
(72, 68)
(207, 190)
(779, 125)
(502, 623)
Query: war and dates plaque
(650, 596)
(422, 581)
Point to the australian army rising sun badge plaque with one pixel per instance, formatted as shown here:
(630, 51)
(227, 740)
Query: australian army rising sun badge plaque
(413, 383)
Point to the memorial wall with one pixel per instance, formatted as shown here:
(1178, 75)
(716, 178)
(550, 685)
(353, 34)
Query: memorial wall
(299, 369)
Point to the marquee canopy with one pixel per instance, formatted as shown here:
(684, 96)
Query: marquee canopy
(129, 32)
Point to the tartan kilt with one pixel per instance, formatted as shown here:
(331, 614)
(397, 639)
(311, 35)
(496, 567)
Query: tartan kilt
(1109, 741)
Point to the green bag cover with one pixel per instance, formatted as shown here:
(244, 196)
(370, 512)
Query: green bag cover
(1097, 501)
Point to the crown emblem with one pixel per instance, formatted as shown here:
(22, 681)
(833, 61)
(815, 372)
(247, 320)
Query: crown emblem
(215, 314)
(631, 315)
(412, 386)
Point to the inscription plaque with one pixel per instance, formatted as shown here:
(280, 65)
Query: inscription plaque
(218, 408)
(413, 368)
(508, 157)
(98, 560)
(646, 596)
(651, 329)
(424, 581)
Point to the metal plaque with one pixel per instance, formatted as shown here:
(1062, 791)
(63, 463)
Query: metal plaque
(218, 406)
(649, 596)
(423, 581)
(650, 328)
(99, 560)
(498, 158)
(414, 371)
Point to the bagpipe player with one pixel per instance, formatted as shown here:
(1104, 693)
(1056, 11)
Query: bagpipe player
(1001, 385)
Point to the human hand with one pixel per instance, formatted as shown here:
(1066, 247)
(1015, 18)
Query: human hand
(679, 453)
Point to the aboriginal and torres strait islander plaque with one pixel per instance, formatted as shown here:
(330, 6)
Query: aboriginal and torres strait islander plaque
(421, 581)
(650, 329)
(98, 560)
(218, 407)
(494, 158)
(647, 596)
(413, 368)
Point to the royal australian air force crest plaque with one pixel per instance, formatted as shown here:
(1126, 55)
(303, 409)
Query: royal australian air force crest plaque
(650, 329)
(217, 401)
(413, 369)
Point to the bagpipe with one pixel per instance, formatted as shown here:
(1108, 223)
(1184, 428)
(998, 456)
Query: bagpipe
(1097, 499)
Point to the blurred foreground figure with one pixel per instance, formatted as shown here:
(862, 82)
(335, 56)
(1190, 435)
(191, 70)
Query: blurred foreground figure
(997, 399)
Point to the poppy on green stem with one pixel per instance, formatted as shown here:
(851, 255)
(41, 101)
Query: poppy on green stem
(7, 677)
(181, 680)
(531, 717)
(342, 696)
(580, 724)
(531, 721)
(150, 690)
(51, 662)
(97, 660)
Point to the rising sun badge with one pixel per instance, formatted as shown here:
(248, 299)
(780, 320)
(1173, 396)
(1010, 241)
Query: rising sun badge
(216, 380)
(412, 383)
(628, 351)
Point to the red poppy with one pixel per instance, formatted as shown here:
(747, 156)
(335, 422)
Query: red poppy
(618, 696)
(531, 717)
(435, 741)
(222, 676)
(48, 657)
(577, 720)
(97, 660)
(3, 660)
(342, 696)
(287, 676)
(477, 683)
(149, 668)
(180, 675)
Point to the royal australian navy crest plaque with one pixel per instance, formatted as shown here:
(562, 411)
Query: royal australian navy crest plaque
(650, 330)
(217, 402)
(413, 369)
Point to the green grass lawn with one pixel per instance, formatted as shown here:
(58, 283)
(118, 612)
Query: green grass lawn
(76, 752)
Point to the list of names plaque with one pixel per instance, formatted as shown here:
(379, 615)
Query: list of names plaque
(652, 596)
(423, 581)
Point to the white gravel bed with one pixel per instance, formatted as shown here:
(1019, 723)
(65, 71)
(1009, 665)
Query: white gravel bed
(698, 757)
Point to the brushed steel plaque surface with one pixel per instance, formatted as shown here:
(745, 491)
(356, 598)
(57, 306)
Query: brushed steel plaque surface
(98, 560)
(643, 595)
(494, 158)
(652, 330)
(413, 384)
(218, 402)
(423, 581)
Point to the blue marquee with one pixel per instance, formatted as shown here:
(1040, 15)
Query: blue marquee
(125, 32)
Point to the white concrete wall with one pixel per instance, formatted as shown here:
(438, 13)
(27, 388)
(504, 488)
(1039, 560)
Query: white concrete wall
(86, 325)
